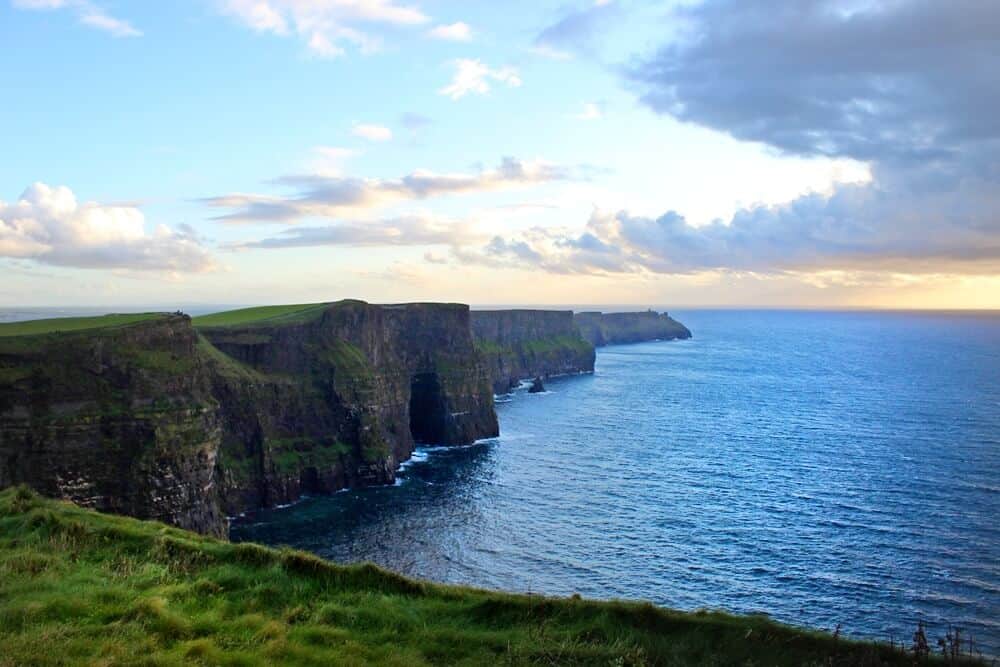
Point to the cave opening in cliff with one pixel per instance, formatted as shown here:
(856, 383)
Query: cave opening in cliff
(428, 410)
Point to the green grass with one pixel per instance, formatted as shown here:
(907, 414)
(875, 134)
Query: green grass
(263, 315)
(68, 324)
(77, 587)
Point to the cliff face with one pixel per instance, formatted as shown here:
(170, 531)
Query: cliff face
(520, 344)
(341, 398)
(614, 328)
(157, 420)
(119, 419)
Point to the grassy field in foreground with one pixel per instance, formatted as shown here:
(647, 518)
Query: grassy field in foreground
(66, 324)
(77, 587)
(288, 314)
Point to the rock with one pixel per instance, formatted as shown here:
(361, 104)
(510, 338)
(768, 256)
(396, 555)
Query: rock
(518, 344)
(120, 419)
(615, 328)
(536, 386)
(158, 420)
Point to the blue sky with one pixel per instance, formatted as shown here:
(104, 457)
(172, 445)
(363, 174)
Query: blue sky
(253, 151)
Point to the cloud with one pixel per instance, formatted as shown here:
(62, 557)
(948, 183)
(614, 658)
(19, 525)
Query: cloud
(906, 86)
(454, 32)
(578, 30)
(49, 226)
(324, 25)
(412, 230)
(372, 132)
(86, 13)
(890, 81)
(327, 196)
(473, 76)
(414, 122)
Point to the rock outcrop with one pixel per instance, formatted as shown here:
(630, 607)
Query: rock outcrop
(615, 328)
(523, 344)
(119, 419)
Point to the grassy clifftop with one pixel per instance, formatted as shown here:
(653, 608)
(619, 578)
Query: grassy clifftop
(69, 324)
(78, 587)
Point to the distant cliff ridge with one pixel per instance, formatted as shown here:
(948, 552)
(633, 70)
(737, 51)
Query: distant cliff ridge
(160, 417)
(523, 344)
(615, 328)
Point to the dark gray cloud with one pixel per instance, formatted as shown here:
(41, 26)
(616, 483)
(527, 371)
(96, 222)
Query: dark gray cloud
(907, 86)
(887, 81)
(335, 196)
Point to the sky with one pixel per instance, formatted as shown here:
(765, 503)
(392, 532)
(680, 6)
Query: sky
(814, 153)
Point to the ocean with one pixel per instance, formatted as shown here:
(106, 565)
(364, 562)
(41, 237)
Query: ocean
(824, 468)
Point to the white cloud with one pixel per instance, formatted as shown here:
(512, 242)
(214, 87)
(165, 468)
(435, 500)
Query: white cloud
(87, 13)
(48, 225)
(473, 76)
(326, 196)
(324, 25)
(453, 32)
(372, 132)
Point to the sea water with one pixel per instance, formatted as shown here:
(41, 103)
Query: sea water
(825, 468)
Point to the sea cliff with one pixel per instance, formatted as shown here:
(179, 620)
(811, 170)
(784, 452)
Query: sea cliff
(161, 417)
(151, 417)
(337, 395)
(522, 344)
(616, 328)
(119, 418)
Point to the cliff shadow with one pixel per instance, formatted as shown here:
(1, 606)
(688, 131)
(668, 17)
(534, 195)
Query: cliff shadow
(429, 417)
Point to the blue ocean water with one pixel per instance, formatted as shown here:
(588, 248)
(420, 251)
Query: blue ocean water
(825, 468)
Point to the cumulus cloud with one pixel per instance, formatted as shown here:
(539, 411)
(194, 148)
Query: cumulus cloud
(324, 25)
(473, 76)
(412, 230)
(47, 224)
(453, 32)
(372, 132)
(87, 13)
(321, 195)
(906, 86)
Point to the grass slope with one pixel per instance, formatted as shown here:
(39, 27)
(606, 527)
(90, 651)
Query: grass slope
(67, 324)
(263, 315)
(77, 587)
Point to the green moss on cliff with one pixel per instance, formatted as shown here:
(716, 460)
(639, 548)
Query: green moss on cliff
(78, 587)
(291, 455)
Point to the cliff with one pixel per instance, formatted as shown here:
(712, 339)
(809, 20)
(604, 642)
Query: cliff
(522, 344)
(337, 395)
(113, 413)
(615, 328)
(144, 415)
